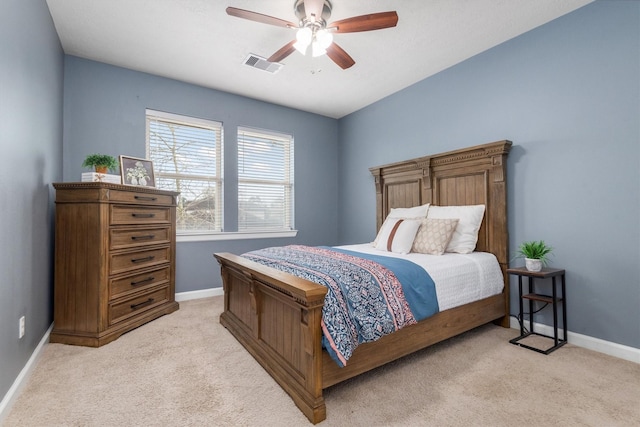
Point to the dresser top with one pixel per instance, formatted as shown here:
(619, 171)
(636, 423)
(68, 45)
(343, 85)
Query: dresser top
(110, 186)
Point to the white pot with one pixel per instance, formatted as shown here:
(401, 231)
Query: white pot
(533, 264)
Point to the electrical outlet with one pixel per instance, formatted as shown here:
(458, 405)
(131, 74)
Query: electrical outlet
(21, 327)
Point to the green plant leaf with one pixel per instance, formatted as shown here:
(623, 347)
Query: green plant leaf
(535, 250)
(93, 160)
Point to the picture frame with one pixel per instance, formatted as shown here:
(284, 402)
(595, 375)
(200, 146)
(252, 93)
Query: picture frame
(136, 171)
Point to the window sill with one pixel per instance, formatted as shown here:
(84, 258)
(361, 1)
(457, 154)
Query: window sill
(209, 237)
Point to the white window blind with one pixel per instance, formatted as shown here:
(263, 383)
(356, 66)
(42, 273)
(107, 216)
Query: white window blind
(187, 155)
(265, 180)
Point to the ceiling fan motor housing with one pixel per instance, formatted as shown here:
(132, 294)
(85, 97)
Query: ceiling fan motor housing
(301, 14)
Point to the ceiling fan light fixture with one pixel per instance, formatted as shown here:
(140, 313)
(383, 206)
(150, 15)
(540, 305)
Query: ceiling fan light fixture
(300, 47)
(324, 38)
(317, 49)
(304, 36)
(319, 39)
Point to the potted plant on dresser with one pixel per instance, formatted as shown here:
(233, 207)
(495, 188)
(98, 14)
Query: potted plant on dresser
(100, 162)
(535, 254)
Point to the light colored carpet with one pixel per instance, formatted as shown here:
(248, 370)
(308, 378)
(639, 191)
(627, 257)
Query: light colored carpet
(185, 369)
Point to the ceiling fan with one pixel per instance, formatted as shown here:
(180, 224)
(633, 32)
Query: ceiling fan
(314, 31)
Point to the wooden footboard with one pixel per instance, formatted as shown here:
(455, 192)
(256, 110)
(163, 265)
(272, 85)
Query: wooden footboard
(276, 317)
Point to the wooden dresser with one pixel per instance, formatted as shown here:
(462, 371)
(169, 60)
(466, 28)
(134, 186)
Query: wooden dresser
(114, 260)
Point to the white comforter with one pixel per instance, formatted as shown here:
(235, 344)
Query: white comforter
(459, 279)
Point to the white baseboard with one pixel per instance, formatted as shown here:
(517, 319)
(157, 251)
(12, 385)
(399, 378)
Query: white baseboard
(205, 293)
(12, 394)
(612, 349)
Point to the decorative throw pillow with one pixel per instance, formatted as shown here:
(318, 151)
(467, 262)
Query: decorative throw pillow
(434, 235)
(396, 235)
(465, 236)
(416, 212)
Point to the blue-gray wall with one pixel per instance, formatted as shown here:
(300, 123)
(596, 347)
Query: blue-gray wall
(104, 111)
(31, 67)
(568, 95)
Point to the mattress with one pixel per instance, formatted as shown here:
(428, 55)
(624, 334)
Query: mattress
(459, 278)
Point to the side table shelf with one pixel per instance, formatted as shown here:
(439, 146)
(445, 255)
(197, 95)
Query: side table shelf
(554, 299)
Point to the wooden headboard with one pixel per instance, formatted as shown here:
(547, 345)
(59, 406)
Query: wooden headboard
(471, 176)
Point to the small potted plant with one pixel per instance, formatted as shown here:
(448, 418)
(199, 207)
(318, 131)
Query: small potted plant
(101, 162)
(535, 254)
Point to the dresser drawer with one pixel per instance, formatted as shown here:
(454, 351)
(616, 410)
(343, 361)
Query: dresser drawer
(123, 238)
(140, 198)
(137, 282)
(124, 262)
(125, 309)
(124, 215)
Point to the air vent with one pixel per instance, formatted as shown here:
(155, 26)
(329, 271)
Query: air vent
(260, 63)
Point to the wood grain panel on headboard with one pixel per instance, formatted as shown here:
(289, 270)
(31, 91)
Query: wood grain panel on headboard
(470, 176)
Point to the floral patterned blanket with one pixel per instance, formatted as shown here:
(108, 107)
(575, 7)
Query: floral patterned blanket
(368, 296)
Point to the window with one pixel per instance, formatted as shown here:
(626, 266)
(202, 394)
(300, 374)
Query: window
(265, 180)
(187, 157)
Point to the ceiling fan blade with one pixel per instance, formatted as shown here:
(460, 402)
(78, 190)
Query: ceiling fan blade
(313, 7)
(259, 17)
(283, 52)
(339, 56)
(373, 21)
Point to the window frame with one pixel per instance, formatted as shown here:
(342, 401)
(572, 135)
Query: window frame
(217, 179)
(287, 181)
(223, 235)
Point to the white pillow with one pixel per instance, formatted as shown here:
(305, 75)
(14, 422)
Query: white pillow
(465, 236)
(397, 234)
(414, 212)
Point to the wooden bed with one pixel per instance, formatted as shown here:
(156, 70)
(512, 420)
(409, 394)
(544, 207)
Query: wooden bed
(276, 316)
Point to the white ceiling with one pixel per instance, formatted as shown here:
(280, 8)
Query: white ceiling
(197, 42)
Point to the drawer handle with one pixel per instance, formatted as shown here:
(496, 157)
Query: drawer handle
(139, 215)
(151, 199)
(149, 258)
(140, 282)
(142, 304)
(149, 236)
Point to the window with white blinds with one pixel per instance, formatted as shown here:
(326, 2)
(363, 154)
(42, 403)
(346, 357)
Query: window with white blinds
(187, 155)
(265, 180)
